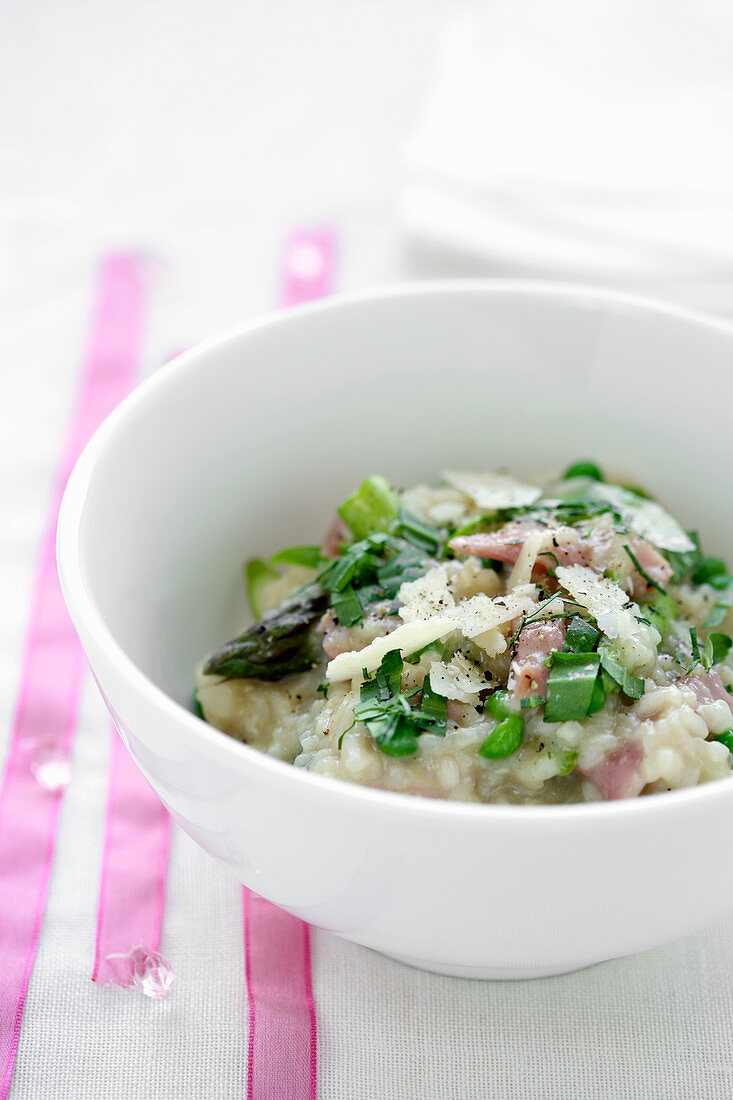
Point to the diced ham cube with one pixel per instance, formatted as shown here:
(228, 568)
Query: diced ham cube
(618, 776)
(528, 673)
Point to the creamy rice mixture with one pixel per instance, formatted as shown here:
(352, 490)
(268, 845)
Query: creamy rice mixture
(488, 640)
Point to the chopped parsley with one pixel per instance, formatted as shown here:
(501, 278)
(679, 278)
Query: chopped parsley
(583, 469)
(388, 713)
(633, 686)
(571, 686)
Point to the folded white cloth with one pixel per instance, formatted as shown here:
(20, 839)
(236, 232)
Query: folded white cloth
(581, 137)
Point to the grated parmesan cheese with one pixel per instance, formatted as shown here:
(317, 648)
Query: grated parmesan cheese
(457, 679)
(492, 491)
(636, 643)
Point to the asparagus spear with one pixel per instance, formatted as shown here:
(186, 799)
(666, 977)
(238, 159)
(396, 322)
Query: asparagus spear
(277, 645)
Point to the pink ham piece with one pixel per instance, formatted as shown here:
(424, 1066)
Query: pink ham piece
(618, 775)
(528, 674)
(708, 688)
(335, 535)
(336, 638)
(506, 544)
(654, 564)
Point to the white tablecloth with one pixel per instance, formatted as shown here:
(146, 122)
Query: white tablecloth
(200, 132)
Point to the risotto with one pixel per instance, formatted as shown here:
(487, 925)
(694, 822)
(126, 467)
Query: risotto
(488, 640)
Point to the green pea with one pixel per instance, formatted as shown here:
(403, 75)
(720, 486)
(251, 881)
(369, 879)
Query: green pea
(504, 739)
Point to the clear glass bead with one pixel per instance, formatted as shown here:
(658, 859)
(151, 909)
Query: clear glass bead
(147, 971)
(150, 973)
(50, 768)
(306, 261)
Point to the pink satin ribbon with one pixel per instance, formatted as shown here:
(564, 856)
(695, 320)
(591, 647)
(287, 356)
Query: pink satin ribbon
(53, 667)
(282, 1063)
(134, 865)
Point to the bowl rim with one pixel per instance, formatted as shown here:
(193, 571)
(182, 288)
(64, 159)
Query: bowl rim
(198, 733)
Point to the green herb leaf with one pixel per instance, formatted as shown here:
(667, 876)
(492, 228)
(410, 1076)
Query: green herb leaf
(583, 469)
(434, 708)
(373, 507)
(598, 695)
(299, 555)
(439, 648)
(715, 650)
(414, 531)
(196, 706)
(712, 571)
(581, 637)
(347, 607)
(407, 565)
(504, 740)
(257, 574)
(661, 610)
(323, 690)
(570, 686)
(386, 712)
(632, 686)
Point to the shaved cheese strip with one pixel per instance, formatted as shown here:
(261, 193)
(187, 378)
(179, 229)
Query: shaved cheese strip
(407, 638)
(457, 679)
(596, 593)
(646, 518)
(472, 617)
(522, 571)
(492, 491)
(635, 642)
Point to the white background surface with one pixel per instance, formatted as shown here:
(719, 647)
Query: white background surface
(200, 131)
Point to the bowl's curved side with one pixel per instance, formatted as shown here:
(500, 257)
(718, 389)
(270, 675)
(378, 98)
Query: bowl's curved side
(457, 887)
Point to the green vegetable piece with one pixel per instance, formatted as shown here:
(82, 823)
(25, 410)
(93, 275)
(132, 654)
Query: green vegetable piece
(504, 740)
(438, 648)
(632, 686)
(598, 696)
(257, 574)
(726, 739)
(322, 689)
(386, 712)
(497, 705)
(419, 534)
(298, 555)
(715, 650)
(373, 507)
(712, 571)
(275, 646)
(570, 686)
(583, 469)
(582, 637)
(434, 708)
(347, 607)
(531, 702)
(661, 611)
(196, 706)
(407, 565)
(401, 742)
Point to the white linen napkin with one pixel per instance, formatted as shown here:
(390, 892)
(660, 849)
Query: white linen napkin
(580, 138)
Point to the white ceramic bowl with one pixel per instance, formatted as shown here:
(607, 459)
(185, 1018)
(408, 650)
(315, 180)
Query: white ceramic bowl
(243, 445)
